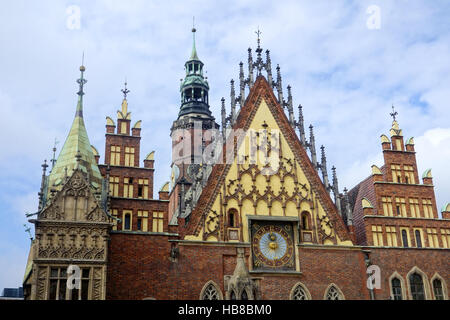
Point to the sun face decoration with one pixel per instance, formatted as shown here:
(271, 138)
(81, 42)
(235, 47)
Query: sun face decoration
(273, 246)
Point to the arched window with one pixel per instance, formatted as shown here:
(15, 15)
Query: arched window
(210, 293)
(396, 289)
(232, 296)
(417, 289)
(244, 295)
(405, 238)
(437, 289)
(418, 239)
(333, 293)
(232, 218)
(299, 293)
(305, 221)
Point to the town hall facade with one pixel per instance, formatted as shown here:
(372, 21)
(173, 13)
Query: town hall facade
(250, 210)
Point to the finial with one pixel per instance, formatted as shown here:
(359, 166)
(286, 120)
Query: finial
(301, 126)
(312, 146)
(258, 33)
(193, 24)
(125, 91)
(194, 55)
(81, 81)
(54, 153)
(393, 113)
(224, 116)
(323, 167)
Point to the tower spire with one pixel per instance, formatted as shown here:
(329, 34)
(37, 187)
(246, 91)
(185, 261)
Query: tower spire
(194, 55)
(76, 141)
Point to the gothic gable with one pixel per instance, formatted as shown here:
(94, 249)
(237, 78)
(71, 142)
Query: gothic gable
(248, 190)
(76, 202)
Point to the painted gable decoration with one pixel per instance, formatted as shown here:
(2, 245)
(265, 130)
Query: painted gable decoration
(284, 185)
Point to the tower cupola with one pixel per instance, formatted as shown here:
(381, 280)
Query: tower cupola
(194, 87)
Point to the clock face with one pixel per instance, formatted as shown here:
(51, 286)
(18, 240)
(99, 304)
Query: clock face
(272, 245)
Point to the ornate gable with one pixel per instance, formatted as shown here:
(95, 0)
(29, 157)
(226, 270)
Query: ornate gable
(247, 191)
(76, 202)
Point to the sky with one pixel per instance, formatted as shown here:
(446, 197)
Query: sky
(347, 61)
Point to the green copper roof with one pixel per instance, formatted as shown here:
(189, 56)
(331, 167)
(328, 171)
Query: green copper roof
(77, 142)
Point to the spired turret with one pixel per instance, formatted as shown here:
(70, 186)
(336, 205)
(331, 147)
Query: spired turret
(194, 87)
(77, 150)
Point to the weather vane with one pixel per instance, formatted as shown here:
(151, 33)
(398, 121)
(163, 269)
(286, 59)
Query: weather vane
(393, 113)
(125, 91)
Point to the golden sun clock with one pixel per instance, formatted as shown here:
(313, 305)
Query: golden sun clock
(272, 245)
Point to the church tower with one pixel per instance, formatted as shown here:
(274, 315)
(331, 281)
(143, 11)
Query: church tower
(191, 133)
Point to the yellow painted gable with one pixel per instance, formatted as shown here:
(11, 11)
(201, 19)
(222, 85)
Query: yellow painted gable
(280, 191)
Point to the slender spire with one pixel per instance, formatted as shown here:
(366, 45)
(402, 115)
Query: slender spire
(76, 141)
(41, 193)
(233, 102)
(348, 210)
(224, 117)
(290, 107)
(337, 198)
(81, 82)
(250, 68)
(194, 55)
(241, 84)
(279, 86)
(301, 125)
(312, 146)
(323, 167)
(269, 68)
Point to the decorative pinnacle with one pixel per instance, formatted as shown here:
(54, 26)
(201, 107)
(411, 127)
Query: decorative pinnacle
(81, 81)
(393, 113)
(125, 91)
(258, 33)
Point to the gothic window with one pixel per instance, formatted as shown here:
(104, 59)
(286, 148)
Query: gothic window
(417, 289)
(232, 218)
(305, 221)
(58, 281)
(396, 289)
(333, 294)
(405, 238)
(437, 289)
(83, 293)
(210, 293)
(418, 238)
(127, 220)
(299, 293)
